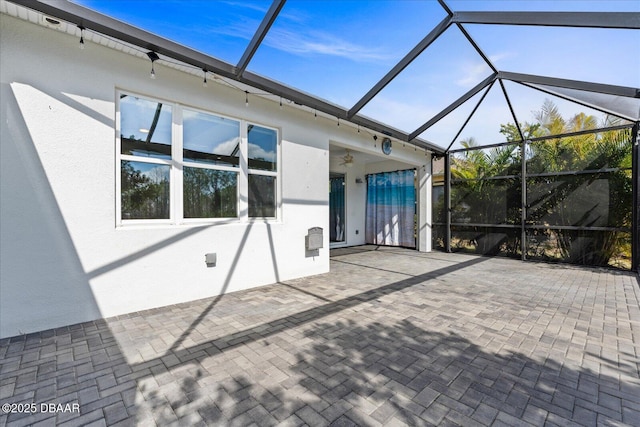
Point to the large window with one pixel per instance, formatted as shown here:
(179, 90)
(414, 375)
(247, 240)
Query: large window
(180, 165)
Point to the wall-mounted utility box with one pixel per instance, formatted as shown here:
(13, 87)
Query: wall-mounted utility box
(211, 259)
(314, 239)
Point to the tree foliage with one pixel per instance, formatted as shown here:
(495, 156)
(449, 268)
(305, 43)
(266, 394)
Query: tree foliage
(144, 195)
(579, 190)
(209, 193)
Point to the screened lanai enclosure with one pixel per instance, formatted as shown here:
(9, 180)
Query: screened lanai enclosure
(566, 198)
(530, 110)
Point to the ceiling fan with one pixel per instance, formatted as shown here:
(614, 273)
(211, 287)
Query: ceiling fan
(347, 159)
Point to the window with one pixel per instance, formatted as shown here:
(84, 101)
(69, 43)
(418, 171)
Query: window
(211, 152)
(182, 165)
(145, 190)
(263, 165)
(145, 160)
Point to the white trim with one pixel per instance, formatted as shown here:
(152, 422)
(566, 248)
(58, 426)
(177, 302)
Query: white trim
(213, 166)
(243, 184)
(335, 245)
(176, 198)
(262, 172)
(143, 159)
(118, 162)
(276, 174)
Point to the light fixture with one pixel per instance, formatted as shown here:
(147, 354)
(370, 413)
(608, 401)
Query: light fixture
(50, 21)
(204, 82)
(347, 159)
(338, 121)
(246, 98)
(153, 57)
(281, 103)
(81, 45)
(315, 114)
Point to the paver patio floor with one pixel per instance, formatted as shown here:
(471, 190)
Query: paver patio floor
(388, 337)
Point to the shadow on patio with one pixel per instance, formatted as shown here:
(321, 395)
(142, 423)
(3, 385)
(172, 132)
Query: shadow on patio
(376, 374)
(419, 350)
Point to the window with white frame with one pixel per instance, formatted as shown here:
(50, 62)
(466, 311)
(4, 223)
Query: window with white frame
(145, 158)
(263, 169)
(178, 164)
(210, 154)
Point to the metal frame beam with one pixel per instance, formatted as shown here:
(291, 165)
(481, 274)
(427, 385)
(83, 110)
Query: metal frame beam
(635, 221)
(401, 65)
(455, 104)
(484, 95)
(469, 38)
(580, 132)
(577, 101)
(543, 138)
(326, 107)
(629, 92)
(476, 47)
(620, 20)
(513, 113)
(523, 198)
(259, 35)
(523, 177)
(447, 202)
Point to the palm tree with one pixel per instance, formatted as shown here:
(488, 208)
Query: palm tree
(486, 191)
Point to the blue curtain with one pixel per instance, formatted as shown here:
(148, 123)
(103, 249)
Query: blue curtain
(336, 209)
(391, 209)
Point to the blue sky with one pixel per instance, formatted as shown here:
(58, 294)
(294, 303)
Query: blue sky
(338, 49)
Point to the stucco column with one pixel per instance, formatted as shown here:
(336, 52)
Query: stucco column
(423, 208)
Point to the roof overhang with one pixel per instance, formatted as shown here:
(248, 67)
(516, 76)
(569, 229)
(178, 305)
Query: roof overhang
(127, 33)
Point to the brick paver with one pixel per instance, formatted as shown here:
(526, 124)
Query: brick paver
(389, 337)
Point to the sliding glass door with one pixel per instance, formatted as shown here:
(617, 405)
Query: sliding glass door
(391, 209)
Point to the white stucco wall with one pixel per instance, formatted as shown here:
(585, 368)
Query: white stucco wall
(355, 200)
(63, 260)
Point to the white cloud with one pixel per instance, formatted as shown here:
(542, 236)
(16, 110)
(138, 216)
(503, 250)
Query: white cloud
(301, 43)
(227, 147)
(474, 74)
(406, 116)
(246, 5)
(204, 145)
(296, 38)
(499, 57)
(257, 152)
